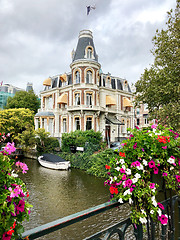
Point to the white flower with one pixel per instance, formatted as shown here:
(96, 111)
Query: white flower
(171, 168)
(115, 178)
(111, 180)
(121, 161)
(143, 220)
(130, 201)
(124, 167)
(154, 201)
(153, 190)
(143, 212)
(120, 200)
(128, 171)
(137, 175)
(152, 212)
(140, 167)
(171, 160)
(159, 212)
(127, 192)
(145, 162)
(118, 168)
(14, 174)
(134, 180)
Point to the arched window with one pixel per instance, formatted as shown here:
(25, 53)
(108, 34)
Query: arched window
(89, 52)
(89, 77)
(77, 77)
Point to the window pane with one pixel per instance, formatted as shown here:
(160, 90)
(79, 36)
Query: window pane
(89, 123)
(77, 123)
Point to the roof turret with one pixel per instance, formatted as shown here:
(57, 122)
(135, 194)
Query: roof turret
(85, 47)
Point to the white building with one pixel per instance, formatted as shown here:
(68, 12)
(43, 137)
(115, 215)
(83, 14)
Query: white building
(86, 98)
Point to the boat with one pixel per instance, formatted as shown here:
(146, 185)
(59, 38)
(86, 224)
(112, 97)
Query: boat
(52, 161)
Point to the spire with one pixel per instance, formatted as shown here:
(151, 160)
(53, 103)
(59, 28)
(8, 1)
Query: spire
(85, 47)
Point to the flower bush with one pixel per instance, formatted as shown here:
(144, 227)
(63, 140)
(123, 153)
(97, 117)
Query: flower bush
(14, 208)
(147, 153)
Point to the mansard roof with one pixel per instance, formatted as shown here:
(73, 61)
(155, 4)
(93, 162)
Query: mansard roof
(85, 40)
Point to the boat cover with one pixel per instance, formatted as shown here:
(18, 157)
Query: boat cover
(52, 158)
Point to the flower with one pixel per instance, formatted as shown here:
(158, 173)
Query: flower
(136, 127)
(160, 205)
(156, 170)
(152, 185)
(164, 174)
(151, 164)
(120, 200)
(122, 154)
(107, 167)
(154, 126)
(171, 160)
(9, 148)
(143, 220)
(165, 147)
(163, 219)
(178, 178)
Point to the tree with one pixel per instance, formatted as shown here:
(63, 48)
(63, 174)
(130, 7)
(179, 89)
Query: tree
(15, 121)
(159, 86)
(23, 99)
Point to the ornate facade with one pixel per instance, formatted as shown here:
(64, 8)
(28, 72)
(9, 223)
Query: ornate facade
(86, 98)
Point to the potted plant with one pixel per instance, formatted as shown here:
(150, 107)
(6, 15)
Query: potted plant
(14, 207)
(147, 153)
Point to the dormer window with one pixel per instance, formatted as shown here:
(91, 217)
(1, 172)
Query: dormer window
(89, 52)
(125, 86)
(89, 77)
(77, 77)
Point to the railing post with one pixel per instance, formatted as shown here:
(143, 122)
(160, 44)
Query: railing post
(138, 232)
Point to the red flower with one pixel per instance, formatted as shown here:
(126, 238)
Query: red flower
(122, 154)
(107, 167)
(27, 194)
(113, 190)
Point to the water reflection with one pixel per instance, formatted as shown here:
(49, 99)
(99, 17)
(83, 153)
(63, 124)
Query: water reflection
(55, 194)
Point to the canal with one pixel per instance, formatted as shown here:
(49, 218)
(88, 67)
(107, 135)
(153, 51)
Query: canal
(55, 194)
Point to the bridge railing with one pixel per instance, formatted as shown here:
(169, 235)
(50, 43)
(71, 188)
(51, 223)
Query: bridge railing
(119, 229)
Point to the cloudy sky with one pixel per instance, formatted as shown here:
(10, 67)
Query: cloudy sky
(38, 36)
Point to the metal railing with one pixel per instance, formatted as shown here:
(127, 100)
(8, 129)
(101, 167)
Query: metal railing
(119, 229)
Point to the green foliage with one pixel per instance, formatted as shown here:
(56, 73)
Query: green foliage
(45, 143)
(159, 86)
(93, 164)
(23, 99)
(80, 138)
(27, 139)
(16, 121)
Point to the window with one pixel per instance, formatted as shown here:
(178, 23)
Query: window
(89, 123)
(49, 103)
(145, 107)
(108, 82)
(88, 99)
(146, 121)
(77, 99)
(89, 52)
(89, 77)
(137, 110)
(64, 125)
(138, 121)
(77, 77)
(77, 123)
(42, 122)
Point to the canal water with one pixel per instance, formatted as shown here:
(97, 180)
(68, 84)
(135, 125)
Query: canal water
(55, 194)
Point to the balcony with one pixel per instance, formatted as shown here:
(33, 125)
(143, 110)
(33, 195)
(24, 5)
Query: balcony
(83, 108)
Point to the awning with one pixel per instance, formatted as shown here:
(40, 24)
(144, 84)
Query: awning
(110, 100)
(47, 82)
(63, 78)
(62, 98)
(114, 120)
(127, 102)
(44, 114)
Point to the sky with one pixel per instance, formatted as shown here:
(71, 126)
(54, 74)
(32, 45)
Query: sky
(38, 36)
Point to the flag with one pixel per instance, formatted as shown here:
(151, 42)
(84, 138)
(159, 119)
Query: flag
(89, 8)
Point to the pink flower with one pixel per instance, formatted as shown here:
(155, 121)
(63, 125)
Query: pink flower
(9, 148)
(137, 127)
(124, 177)
(128, 183)
(178, 178)
(165, 147)
(151, 164)
(163, 219)
(122, 170)
(135, 146)
(156, 170)
(152, 185)
(23, 166)
(164, 174)
(160, 206)
(20, 206)
(154, 126)
(142, 149)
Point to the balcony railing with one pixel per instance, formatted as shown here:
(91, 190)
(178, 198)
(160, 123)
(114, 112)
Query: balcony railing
(120, 229)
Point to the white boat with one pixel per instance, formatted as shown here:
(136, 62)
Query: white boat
(53, 161)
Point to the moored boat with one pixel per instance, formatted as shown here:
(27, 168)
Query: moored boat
(53, 161)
